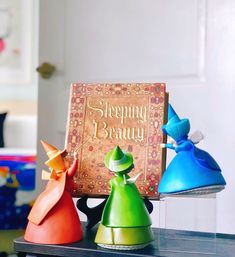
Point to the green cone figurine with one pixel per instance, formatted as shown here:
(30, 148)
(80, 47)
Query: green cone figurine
(125, 223)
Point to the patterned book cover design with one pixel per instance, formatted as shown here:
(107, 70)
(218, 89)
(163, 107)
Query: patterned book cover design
(102, 116)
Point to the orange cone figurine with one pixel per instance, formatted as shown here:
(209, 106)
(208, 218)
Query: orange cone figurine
(53, 218)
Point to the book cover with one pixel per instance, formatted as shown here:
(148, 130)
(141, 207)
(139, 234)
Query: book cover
(130, 115)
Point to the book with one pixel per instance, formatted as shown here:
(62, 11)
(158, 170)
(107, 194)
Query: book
(130, 115)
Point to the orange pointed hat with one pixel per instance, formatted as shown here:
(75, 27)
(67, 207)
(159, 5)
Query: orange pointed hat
(55, 161)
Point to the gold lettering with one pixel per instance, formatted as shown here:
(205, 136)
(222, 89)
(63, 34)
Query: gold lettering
(102, 131)
(105, 113)
(140, 134)
(122, 112)
(143, 114)
(95, 108)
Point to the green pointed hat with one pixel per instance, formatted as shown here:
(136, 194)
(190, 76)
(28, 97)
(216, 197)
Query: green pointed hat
(117, 160)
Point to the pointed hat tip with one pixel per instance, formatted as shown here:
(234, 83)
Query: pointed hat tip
(171, 112)
(47, 147)
(117, 153)
(117, 147)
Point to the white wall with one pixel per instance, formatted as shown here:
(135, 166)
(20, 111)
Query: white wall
(188, 44)
(22, 85)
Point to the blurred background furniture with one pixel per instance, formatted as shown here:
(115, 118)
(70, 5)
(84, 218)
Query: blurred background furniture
(17, 177)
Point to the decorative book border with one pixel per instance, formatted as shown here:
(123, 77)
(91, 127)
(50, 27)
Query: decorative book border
(102, 116)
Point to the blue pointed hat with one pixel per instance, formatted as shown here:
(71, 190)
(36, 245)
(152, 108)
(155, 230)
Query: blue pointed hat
(172, 115)
(176, 128)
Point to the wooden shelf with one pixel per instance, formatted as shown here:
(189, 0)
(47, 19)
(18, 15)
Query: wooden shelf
(225, 245)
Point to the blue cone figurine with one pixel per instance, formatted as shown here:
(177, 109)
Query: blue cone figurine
(192, 171)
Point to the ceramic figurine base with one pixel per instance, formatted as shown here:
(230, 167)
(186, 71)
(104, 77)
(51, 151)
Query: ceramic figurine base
(198, 191)
(128, 238)
(124, 247)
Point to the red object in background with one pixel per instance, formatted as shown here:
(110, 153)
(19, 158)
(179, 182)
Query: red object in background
(2, 45)
(18, 158)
